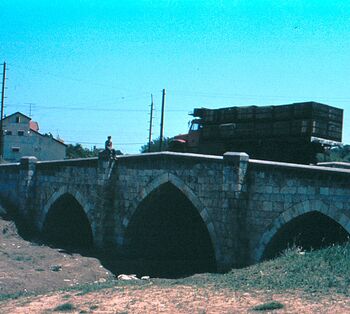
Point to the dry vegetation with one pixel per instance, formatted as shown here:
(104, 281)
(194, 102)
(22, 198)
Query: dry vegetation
(38, 279)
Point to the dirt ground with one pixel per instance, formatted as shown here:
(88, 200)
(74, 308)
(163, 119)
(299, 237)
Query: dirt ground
(29, 267)
(43, 271)
(179, 299)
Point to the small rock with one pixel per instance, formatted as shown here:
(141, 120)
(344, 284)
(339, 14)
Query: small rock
(101, 280)
(127, 277)
(56, 267)
(145, 278)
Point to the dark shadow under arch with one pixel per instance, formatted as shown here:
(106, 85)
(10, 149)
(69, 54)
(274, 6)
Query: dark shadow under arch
(67, 226)
(167, 237)
(312, 230)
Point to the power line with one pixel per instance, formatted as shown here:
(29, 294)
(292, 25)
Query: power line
(65, 77)
(257, 96)
(100, 143)
(93, 109)
(187, 93)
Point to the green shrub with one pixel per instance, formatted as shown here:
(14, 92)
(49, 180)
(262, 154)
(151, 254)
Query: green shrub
(273, 305)
(65, 307)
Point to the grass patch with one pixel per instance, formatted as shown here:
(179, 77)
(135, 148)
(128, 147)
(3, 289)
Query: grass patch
(322, 271)
(65, 307)
(14, 296)
(317, 272)
(269, 306)
(66, 296)
(22, 258)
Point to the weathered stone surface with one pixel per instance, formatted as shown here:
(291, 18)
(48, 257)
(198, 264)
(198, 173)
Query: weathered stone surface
(243, 203)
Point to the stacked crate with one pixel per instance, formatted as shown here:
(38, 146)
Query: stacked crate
(298, 121)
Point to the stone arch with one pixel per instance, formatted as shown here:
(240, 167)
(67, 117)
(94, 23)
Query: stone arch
(52, 225)
(191, 196)
(169, 222)
(56, 195)
(296, 211)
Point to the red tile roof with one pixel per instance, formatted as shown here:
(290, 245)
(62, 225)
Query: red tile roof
(34, 125)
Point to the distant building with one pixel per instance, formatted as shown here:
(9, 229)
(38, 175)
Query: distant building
(22, 138)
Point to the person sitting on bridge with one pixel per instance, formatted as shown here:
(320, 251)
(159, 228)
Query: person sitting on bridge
(109, 147)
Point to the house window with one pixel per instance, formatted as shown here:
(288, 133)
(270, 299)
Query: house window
(18, 119)
(8, 132)
(20, 133)
(15, 149)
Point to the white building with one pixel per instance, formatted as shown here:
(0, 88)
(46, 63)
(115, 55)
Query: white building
(22, 138)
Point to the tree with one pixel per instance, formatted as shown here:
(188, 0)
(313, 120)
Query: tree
(155, 145)
(78, 151)
(338, 153)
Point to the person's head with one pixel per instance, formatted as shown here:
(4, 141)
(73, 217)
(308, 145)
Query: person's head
(109, 137)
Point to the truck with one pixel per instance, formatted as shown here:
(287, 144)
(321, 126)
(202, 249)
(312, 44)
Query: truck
(294, 132)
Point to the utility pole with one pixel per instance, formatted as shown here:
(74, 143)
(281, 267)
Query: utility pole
(150, 126)
(162, 122)
(2, 112)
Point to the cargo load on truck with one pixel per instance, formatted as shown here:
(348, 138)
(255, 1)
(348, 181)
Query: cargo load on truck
(291, 133)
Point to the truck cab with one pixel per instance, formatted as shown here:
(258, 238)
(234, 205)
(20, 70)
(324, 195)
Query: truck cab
(188, 142)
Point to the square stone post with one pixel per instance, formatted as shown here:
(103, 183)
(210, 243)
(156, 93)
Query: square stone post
(26, 193)
(104, 211)
(234, 207)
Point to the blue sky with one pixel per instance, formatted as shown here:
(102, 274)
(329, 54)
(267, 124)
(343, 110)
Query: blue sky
(89, 67)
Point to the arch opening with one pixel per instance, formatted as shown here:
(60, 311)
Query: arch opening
(167, 237)
(67, 226)
(312, 230)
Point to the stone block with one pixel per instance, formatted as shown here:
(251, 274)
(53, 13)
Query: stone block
(289, 190)
(339, 191)
(267, 206)
(324, 190)
(343, 220)
(278, 206)
(302, 189)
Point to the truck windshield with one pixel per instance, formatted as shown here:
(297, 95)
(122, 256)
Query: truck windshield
(194, 127)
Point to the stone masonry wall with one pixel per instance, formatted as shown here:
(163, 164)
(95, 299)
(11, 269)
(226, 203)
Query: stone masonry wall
(242, 202)
(209, 182)
(279, 192)
(76, 177)
(9, 177)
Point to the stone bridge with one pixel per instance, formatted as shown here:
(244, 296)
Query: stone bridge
(228, 211)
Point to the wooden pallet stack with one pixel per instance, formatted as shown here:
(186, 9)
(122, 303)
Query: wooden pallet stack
(298, 120)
